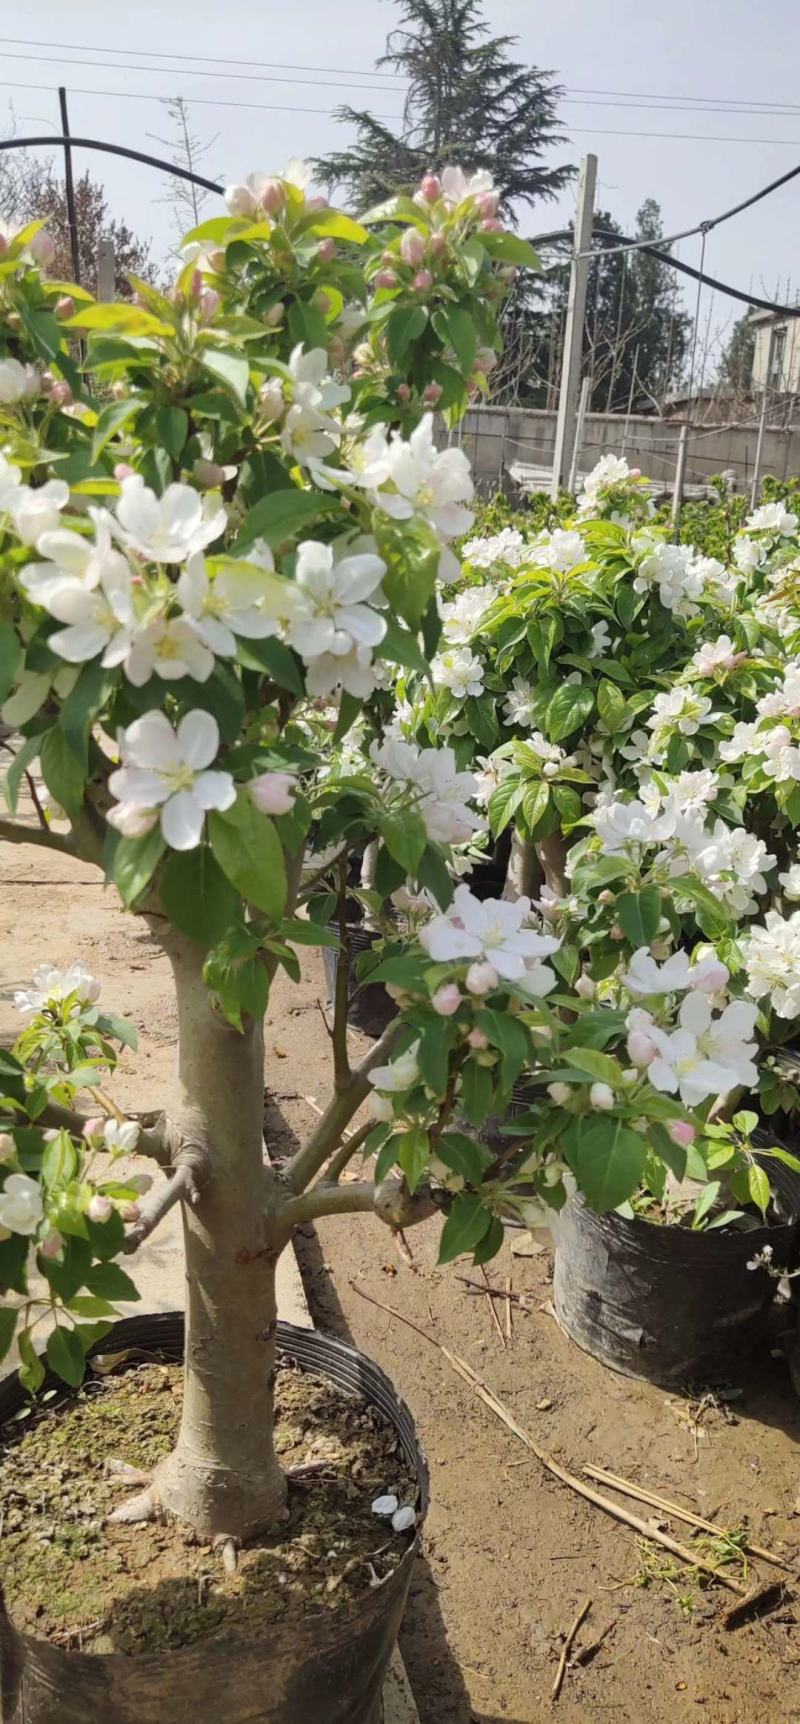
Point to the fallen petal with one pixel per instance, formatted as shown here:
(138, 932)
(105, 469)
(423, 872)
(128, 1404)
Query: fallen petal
(385, 1505)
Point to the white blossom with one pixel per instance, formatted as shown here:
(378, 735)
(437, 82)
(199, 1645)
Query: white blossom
(52, 986)
(714, 656)
(705, 1056)
(244, 599)
(559, 550)
(459, 670)
(165, 775)
(462, 616)
(427, 481)
(456, 186)
(493, 932)
(17, 382)
(442, 791)
(772, 518)
(121, 1136)
(790, 881)
(772, 961)
(520, 704)
(21, 1204)
(166, 529)
(619, 824)
(169, 647)
(401, 1073)
(645, 976)
(507, 546)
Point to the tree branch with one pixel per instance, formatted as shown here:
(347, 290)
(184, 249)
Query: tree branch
(350, 1147)
(341, 997)
(182, 1187)
(392, 1202)
(15, 833)
(311, 1158)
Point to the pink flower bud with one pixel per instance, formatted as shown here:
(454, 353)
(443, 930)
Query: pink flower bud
(61, 394)
(123, 471)
(210, 302)
(275, 315)
(482, 978)
(130, 1212)
(216, 259)
(681, 1132)
(605, 897)
(270, 399)
(119, 390)
(50, 1136)
(94, 1130)
(240, 200)
(559, 1093)
(712, 978)
(326, 250)
(488, 204)
(432, 393)
(386, 278)
(640, 1048)
(585, 988)
(65, 306)
(447, 999)
(273, 792)
(196, 285)
(208, 472)
(412, 248)
(492, 225)
(431, 188)
(601, 1096)
(615, 932)
(7, 1146)
(273, 196)
(3, 245)
(403, 392)
(99, 1208)
(51, 1246)
(318, 202)
(423, 281)
(42, 249)
(477, 1039)
(437, 245)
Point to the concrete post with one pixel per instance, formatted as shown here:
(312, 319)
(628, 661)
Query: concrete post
(759, 452)
(573, 332)
(680, 477)
(583, 406)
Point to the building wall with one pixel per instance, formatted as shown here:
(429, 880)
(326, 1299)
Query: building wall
(790, 369)
(497, 438)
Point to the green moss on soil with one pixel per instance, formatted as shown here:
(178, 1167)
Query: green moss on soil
(72, 1579)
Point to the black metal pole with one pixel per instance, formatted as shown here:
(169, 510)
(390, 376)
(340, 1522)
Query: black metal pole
(70, 185)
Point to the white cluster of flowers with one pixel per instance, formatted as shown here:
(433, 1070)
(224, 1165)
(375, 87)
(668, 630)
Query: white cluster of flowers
(680, 578)
(732, 862)
(506, 547)
(559, 550)
(767, 530)
(441, 792)
(463, 615)
(407, 477)
(704, 1054)
(778, 745)
(460, 670)
(51, 986)
(32, 511)
(772, 961)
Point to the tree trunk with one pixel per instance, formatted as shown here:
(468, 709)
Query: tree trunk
(524, 873)
(552, 853)
(223, 1477)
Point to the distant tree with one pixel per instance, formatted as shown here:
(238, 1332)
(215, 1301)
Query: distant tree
(42, 196)
(736, 363)
(468, 101)
(635, 332)
(186, 150)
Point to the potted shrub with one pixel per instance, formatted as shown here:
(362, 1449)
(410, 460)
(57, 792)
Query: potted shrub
(223, 519)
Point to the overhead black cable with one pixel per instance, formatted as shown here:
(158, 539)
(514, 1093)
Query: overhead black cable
(564, 236)
(714, 221)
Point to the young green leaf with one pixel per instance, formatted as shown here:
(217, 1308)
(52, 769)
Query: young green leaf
(248, 851)
(465, 1226)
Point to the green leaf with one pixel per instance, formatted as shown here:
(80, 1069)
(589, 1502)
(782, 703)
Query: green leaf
(402, 327)
(171, 425)
(133, 863)
(108, 1281)
(232, 370)
(411, 1152)
(65, 1355)
(567, 709)
(432, 873)
(411, 551)
(32, 1371)
(463, 1155)
(457, 329)
(611, 706)
(10, 658)
(609, 1163)
(464, 1228)
(490, 1244)
(309, 934)
(402, 647)
(112, 418)
(62, 772)
(81, 707)
(639, 914)
(405, 838)
(510, 1036)
(282, 515)
(534, 805)
(27, 752)
(8, 1324)
(274, 658)
(477, 1089)
(758, 1187)
(118, 318)
(249, 852)
(480, 717)
(68, 1274)
(196, 895)
(333, 224)
(508, 248)
(706, 1201)
(599, 1066)
(504, 802)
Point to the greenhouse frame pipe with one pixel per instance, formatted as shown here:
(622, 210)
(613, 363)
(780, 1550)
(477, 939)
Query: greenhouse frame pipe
(113, 150)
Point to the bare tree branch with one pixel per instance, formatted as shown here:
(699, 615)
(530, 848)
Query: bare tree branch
(16, 833)
(311, 1158)
(184, 1187)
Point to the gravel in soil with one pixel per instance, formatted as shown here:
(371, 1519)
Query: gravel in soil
(72, 1579)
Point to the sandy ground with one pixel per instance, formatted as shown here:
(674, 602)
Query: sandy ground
(510, 1553)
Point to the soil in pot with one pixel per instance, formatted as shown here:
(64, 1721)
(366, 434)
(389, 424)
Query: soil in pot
(667, 1303)
(86, 1586)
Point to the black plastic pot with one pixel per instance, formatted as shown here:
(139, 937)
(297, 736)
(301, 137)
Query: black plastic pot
(665, 1303)
(370, 1009)
(330, 1670)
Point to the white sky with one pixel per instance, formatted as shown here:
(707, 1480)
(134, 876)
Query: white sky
(726, 50)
